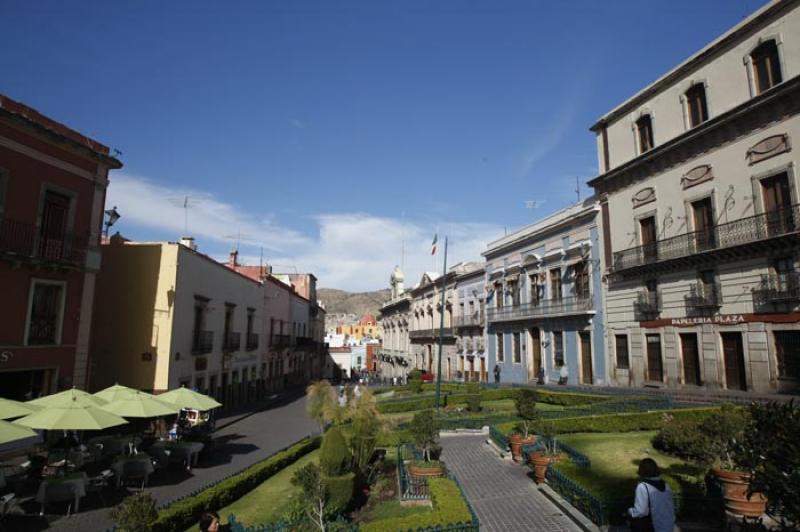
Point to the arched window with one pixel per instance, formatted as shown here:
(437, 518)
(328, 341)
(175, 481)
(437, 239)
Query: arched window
(644, 133)
(766, 66)
(696, 106)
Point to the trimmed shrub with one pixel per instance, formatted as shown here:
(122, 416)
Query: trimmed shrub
(184, 513)
(340, 492)
(449, 508)
(334, 456)
(474, 402)
(137, 512)
(415, 386)
(705, 440)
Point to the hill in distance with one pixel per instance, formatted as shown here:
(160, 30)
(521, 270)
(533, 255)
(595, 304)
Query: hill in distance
(358, 303)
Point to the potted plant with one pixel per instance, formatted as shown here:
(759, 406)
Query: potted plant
(526, 410)
(541, 460)
(425, 432)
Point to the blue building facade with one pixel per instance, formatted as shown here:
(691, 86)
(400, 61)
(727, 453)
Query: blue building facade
(544, 301)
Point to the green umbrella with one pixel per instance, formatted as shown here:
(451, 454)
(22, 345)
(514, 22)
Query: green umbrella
(74, 416)
(140, 404)
(67, 398)
(186, 398)
(10, 409)
(113, 393)
(10, 432)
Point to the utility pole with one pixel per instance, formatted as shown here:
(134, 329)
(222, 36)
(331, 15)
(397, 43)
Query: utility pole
(441, 330)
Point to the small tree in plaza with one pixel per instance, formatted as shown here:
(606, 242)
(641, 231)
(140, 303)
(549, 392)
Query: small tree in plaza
(315, 495)
(366, 428)
(526, 409)
(425, 432)
(322, 403)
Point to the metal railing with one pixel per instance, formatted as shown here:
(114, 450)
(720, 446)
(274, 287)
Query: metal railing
(281, 340)
(202, 342)
(703, 297)
(252, 341)
(472, 320)
(430, 333)
(411, 488)
(544, 309)
(304, 341)
(648, 303)
(27, 241)
(778, 288)
(743, 231)
(233, 341)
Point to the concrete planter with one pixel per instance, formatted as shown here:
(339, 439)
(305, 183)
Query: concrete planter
(734, 491)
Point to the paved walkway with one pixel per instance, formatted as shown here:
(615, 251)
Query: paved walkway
(502, 494)
(242, 444)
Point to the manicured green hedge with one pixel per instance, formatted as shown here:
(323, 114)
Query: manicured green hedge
(617, 422)
(455, 396)
(341, 491)
(184, 513)
(449, 508)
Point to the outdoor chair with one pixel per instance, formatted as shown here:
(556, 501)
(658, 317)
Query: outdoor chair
(100, 484)
(135, 471)
(6, 502)
(59, 492)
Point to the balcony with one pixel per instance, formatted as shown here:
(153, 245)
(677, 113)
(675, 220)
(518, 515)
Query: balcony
(472, 320)
(24, 241)
(252, 341)
(778, 288)
(281, 340)
(751, 230)
(233, 341)
(202, 342)
(430, 333)
(703, 298)
(648, 304)
(304, 341)
(550, 308)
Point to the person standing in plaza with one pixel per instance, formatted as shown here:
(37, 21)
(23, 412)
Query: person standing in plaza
(653, 509)
(497, 374)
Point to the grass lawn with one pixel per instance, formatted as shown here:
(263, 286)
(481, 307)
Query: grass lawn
(615, 458)
(268, 501)
(500, 406)
(391, 509)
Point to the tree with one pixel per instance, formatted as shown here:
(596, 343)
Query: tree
(315, 495)
(366, 427)
(135, 513)
(321, 403)
(425, 432)
(526, 409)
(334, 455)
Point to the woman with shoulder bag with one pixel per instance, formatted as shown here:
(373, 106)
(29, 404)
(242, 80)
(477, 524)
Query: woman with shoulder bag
(653, 509)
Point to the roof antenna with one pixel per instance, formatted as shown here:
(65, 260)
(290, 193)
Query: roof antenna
(185, 203)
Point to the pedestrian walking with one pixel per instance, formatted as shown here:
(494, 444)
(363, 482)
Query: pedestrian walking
(497, 374)
(653, 509)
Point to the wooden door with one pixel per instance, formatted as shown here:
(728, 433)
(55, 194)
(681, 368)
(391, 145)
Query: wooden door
(587, 376)
(703, 224)
(735, 376)
(691, 359)
(787, 349)
(535, 355)
(647, 231)
(655, 369)
(53, 229)
(777, 204)
(483, 369)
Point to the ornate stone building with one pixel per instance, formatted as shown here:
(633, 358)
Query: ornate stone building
(394, 318)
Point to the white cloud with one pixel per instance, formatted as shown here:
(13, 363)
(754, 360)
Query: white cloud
(354, 251)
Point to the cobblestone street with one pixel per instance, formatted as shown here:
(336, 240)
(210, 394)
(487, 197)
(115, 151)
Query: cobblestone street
(502, 494)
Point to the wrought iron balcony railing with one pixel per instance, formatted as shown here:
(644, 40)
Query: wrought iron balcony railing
(281, 340)
(469, 320)
(202, 342)
(252, 341)
(26, 241)
(304, 341)
(549, 308)
(704, 297)
(430, 333)
(767, 225)
(648, 303)
(233, 341)
(777, 288)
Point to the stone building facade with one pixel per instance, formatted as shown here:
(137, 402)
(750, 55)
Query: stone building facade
(469, 324)
(699, 198)
(394, 359)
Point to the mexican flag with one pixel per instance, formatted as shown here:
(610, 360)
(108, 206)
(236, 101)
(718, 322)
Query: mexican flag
(433, 244)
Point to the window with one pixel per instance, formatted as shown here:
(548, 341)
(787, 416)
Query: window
(558, 348)
(514, 288)
(45, 314)
(555, 284)
(621, 341)
(787, 345)
(644, 133)
(517, 348)
(53, 228)
(250, 316)
(498, 294)
(766, 66)
(500, 355)
(696, 106)
(535, 289)
(581, 280)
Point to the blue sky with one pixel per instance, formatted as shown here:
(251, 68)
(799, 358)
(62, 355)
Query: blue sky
(329, 131)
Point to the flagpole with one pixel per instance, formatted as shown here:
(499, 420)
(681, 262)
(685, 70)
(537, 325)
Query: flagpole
(441, 329)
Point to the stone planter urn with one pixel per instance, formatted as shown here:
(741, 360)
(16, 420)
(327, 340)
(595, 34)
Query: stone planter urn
(734, 492)
(516, 441)
(427, 471)
(540, 463)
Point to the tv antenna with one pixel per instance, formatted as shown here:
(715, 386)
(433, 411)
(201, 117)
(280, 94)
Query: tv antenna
(238, 237)
(185, 203)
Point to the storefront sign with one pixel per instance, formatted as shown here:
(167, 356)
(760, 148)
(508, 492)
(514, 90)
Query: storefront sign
(722, 319)
(6, 356)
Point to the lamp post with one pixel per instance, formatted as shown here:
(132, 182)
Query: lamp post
(111, 218)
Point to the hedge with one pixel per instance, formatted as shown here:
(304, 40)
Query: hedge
(340, 490)
(491, 394)
(184, 513)
(449, 508)
(618, 422)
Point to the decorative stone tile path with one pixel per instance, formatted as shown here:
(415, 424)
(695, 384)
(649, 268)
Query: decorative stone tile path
(502, 494)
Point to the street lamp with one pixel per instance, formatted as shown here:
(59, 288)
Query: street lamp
(112, 217)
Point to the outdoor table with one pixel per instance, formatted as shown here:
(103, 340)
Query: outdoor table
(136, 466)
(185, 451)
(113, 445)
(59, 489)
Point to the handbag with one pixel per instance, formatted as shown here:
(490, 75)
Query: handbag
(645, 522)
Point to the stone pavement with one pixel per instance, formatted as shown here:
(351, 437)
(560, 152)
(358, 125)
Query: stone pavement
(242, 444)
(501, 493)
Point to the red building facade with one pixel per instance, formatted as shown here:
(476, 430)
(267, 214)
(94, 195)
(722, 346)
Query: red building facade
(52, 192)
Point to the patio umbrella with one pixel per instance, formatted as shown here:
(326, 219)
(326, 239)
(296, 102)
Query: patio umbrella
(112, 393)
(68, 398)
(10, 409)
(186, 398)
(10, 432)
(140, 404)
(74, 416)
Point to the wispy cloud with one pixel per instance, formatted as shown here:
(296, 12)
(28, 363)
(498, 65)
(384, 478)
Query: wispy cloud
(351, 251)
(297, 124)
